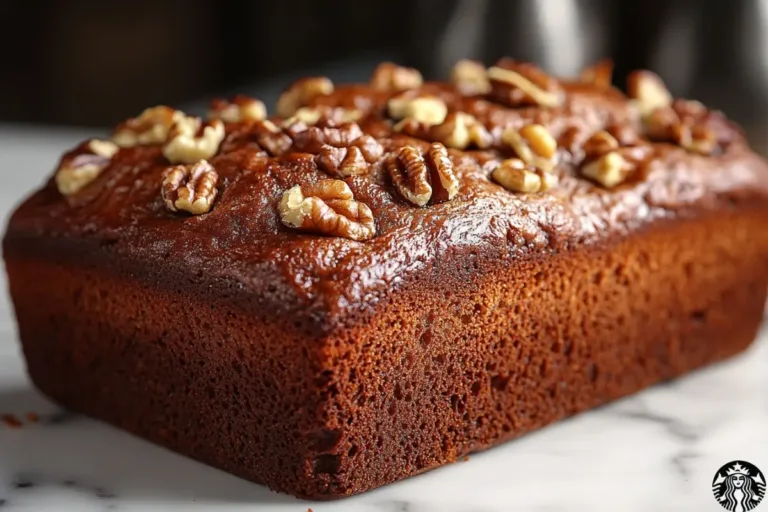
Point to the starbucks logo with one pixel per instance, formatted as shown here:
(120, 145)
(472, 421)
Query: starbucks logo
(739, 486)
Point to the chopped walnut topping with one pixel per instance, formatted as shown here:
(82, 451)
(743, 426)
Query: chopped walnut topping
(516, 176)
(390, 77)
(191, 188)
(598, 74)
(413, 128)
(533, 144)
(348, 135)
(607, 162)
(461, 130)
(625, 134)
(102, 148)
(516, 84)
(237, 110)
(327, 207)
(445, 184)
(77, 171)
(369, 147)
(190, 140)
(424, 109)
(151, 127)
(301, 93)
(313, 138)
(469, 77)
(261, 135)
(314, 115)
(419, 179)
(342, 162)
(649, 91)
(696, 138)
(598, 144)
(683, 123)
(609, 170)
(271, 138)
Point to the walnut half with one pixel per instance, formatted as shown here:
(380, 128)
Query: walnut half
(684, 123)
(461, 130)
(150, 127)
(427, 110)
(327, 207)
(518, 84)
(469, 77)
(301, 93)
(190, 188)
(609, 163)
(648, 91)
(237, 110)
(516, 176)
(388, 76)
(77, 171)
(419, 178)
(533, 143)
(190, 140)
(323, 113)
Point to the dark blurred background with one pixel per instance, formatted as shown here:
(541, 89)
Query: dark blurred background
(93, 63)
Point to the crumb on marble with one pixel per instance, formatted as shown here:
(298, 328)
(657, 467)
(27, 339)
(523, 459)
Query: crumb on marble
(22, 483)
(11, 421)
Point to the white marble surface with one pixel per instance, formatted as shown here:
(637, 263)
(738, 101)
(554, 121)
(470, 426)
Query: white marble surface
(656, 451)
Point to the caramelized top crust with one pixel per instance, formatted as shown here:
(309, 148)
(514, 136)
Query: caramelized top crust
(335, 279)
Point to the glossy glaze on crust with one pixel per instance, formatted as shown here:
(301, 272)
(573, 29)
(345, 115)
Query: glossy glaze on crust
(242, 237)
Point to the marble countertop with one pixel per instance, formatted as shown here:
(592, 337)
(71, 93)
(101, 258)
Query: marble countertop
(656, 451)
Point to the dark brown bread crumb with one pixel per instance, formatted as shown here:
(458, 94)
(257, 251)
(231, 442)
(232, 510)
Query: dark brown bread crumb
(324, 366)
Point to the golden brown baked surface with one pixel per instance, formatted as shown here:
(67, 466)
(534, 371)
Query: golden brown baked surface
(389, 275)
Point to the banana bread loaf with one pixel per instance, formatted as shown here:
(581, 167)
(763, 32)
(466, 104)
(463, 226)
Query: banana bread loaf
(384, 277)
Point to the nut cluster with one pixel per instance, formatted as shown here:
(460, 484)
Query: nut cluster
(419, 178)
(191, 140)
(685, 124)
(421, 174)
(458, 130)
(533, 144)
(393, 78)
(78, 170)
(598, 74)
(327, 207)
(608, 162)
(301, 94)
(239, 109)
(461, 130)
(470, 77)
(519, 84)
(190, 188)
(150, 127)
